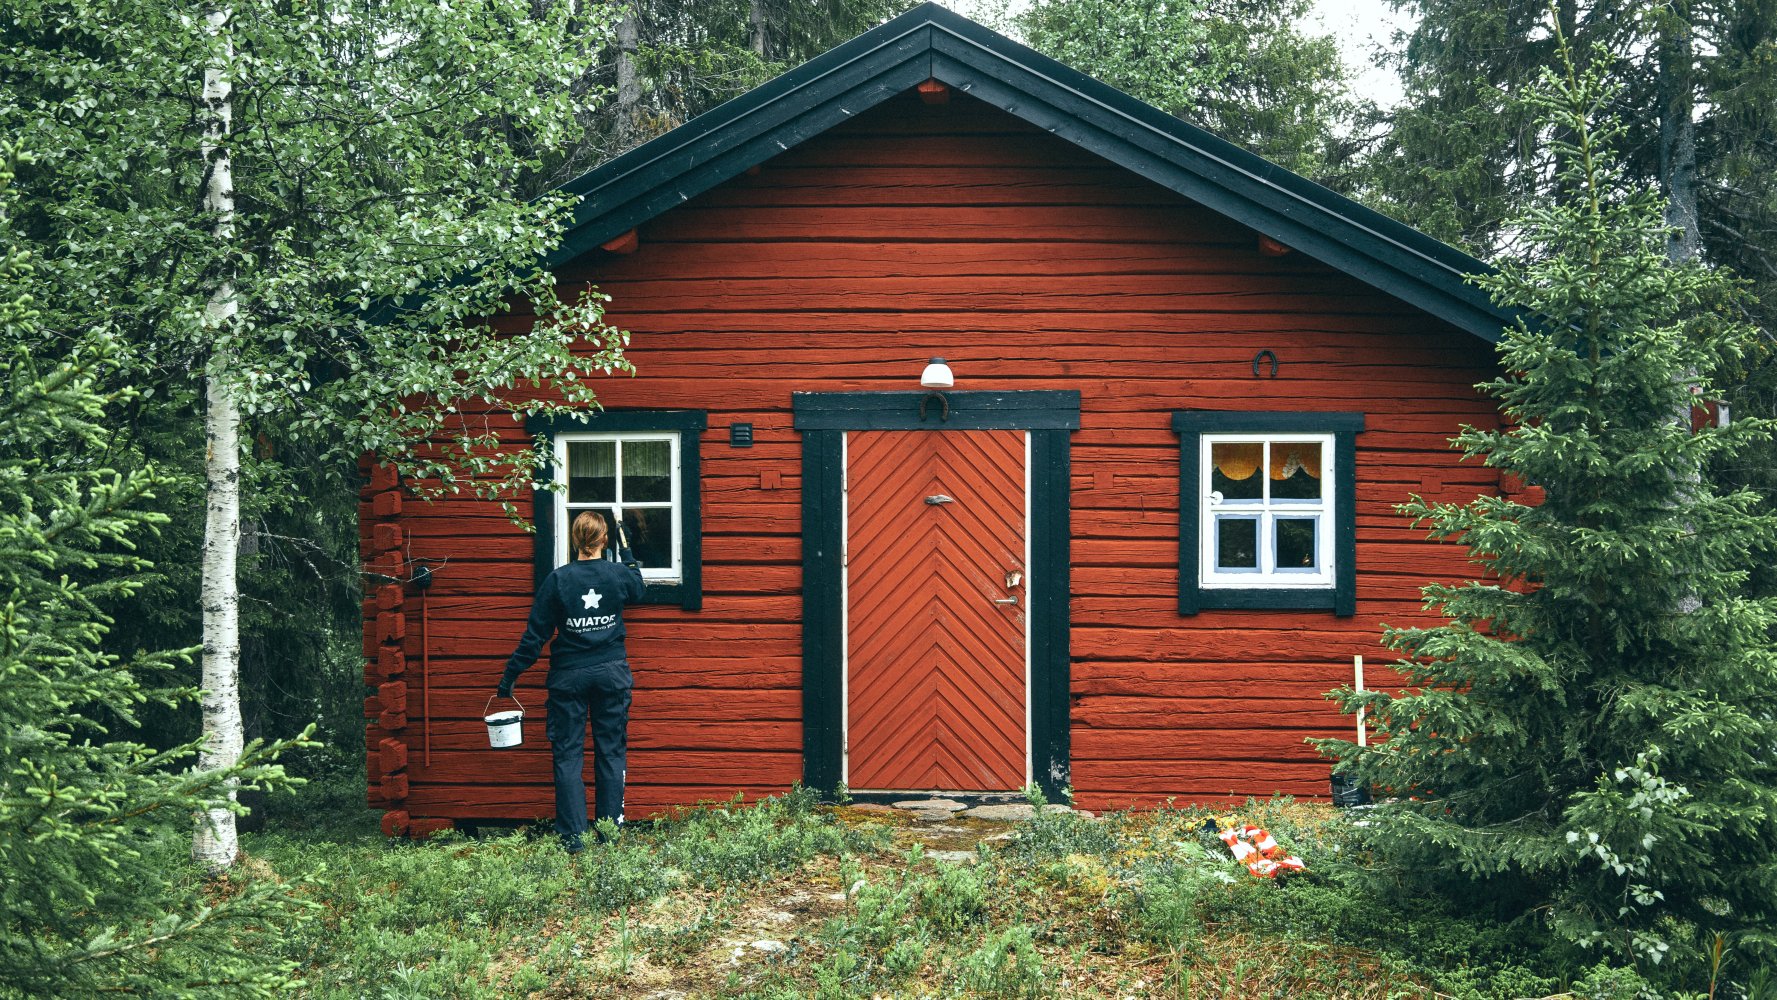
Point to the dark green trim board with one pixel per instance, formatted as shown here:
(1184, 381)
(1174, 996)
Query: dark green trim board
(929, 42)
(688, 592)
(1051, 460)
(823, 610)
(1341, 598)
(1028, 409)
(823, 419)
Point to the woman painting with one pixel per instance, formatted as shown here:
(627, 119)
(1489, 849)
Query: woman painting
(581, 604)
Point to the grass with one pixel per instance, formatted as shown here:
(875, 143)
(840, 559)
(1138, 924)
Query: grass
(791, 899)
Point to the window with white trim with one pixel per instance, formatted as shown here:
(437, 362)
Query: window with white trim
(630, 475)
(1266, 510)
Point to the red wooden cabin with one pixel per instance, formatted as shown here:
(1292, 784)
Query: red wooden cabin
(1126, 554)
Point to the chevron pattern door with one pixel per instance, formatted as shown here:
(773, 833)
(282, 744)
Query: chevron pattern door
(936, 638)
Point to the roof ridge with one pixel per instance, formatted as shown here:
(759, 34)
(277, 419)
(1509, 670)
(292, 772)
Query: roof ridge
(933, 42)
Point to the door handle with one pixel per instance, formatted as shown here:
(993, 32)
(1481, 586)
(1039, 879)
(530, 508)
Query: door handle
(1006, 600)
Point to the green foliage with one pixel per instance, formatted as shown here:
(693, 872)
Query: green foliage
(692, 55)
(95, 894)
(952, 900)
(1163, 911)
(1240, 68)
(450, 915)
(1459, 157)
(374, 158)
(1055, 833)
(737, 844)
(1589, 737)
(1007, 966)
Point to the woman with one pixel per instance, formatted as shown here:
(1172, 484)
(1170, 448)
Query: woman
(582, 604)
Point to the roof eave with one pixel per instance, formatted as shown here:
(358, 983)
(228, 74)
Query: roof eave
(930, 42)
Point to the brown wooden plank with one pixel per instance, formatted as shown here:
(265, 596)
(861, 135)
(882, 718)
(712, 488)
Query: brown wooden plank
(532, 763)
(721, 735)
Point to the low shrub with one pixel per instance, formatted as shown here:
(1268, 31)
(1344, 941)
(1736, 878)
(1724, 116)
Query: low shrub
(1007, 965)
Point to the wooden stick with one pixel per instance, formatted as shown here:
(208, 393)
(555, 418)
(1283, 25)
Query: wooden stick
(1357, 665)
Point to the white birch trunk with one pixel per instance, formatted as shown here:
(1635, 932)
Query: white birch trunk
(214, 844)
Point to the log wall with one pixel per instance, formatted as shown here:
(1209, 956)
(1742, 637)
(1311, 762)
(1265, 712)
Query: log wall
(841, 265)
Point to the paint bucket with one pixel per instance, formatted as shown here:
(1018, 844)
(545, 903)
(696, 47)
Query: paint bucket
(1347, 793)
(504, 729)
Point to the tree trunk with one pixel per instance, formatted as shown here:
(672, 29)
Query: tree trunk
(629, 87)
(214, 845)
(1678, 135)
(756, 28)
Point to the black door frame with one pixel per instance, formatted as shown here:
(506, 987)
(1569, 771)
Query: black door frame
(1049, 415)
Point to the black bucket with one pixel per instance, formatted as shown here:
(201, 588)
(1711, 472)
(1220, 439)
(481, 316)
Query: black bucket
(1348, 793)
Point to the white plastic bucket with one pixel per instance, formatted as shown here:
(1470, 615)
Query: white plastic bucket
(504, 729)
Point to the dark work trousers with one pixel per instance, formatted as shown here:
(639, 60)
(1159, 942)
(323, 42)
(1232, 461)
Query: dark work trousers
(600, 695)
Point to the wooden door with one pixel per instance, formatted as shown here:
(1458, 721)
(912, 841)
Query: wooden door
(936, 637)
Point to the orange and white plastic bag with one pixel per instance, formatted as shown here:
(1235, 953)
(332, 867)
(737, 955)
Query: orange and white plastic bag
(1254, 847)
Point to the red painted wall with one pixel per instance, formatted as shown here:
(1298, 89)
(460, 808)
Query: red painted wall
(842, 265)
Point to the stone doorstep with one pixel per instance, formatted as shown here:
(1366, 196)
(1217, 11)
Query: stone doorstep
(1013, 812)
(929, 805)
(1003, 807)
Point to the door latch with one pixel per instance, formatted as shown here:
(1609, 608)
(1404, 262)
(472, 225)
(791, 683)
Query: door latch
(934, 501)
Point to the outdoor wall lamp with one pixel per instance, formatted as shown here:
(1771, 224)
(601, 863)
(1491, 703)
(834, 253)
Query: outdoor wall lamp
(936, 377)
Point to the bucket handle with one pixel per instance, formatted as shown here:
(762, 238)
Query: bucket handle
(514, 698)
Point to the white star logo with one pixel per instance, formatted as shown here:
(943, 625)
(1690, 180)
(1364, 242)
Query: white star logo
(592, 598)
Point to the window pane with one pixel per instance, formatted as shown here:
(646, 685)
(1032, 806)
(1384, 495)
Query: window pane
(1237, 543)
(592, 472)
(1234, 468)
(650, 534)
(1295, 470)
(647, 471)
(1296, 548)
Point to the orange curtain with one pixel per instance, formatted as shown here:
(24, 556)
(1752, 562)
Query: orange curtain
(1287, 457)
(1237, 460)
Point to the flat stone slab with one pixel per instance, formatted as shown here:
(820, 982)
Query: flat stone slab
(954, 857)
(1009, 813)
(949, 805)
(932, 815)
(873, 807)
(1013, 812)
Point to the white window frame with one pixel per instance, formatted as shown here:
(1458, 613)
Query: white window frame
(565, 512)
(1266, 511)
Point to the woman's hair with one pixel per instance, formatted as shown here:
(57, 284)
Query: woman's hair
(588, 532)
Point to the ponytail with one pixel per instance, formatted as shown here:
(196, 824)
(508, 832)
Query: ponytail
(588, 533)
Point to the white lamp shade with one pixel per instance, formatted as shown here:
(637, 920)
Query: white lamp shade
(937, 375)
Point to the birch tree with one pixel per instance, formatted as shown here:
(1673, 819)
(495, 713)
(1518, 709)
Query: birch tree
(314, 212)
(213, 843)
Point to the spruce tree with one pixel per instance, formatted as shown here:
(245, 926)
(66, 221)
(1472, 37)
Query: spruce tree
(96, 896)
(1590, 734)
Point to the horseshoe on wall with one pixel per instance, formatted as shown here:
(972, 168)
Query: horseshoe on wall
(1259, 359)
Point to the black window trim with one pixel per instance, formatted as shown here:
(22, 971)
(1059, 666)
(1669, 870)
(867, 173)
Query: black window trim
(687, 592)
(1191, 426)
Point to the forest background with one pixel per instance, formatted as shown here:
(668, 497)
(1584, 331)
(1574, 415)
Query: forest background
(1457, 156)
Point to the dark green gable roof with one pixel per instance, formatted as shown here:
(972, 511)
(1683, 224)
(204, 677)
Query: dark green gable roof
(930, 42)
